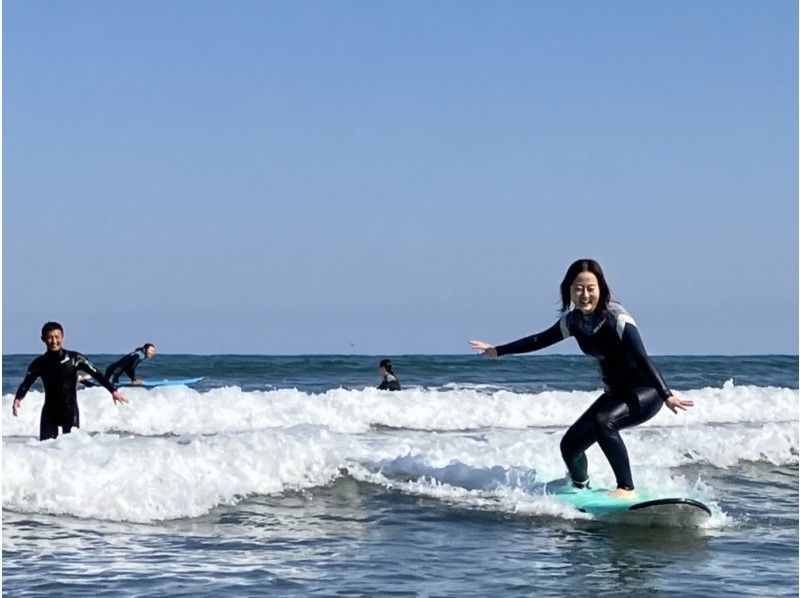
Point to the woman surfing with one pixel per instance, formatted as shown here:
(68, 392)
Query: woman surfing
(634, 387)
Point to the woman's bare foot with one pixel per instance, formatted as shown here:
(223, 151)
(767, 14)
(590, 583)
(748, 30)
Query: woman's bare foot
(622, 493)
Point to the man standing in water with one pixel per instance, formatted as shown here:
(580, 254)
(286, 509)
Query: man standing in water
(58, 369)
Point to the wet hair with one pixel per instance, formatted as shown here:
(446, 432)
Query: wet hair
(386, 365)
(146, 346)
(49, 327)
(575, 268)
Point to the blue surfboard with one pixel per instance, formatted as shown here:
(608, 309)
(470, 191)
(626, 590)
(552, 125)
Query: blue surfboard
(149, 383)
(644, 509)
(164, 382)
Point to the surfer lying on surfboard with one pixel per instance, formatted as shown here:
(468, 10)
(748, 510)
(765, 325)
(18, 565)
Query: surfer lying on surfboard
(634, 387)
(126, 365)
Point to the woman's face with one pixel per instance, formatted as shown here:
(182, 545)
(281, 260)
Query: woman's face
(585, 292)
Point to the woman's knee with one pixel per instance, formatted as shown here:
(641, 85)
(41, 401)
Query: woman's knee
(605, 424)
(567, 446)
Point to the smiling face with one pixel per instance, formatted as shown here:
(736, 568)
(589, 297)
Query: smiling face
(54, 339)
(585, 292)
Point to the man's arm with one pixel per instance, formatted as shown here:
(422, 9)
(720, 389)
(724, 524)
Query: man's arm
(87, 366)
(24, 387)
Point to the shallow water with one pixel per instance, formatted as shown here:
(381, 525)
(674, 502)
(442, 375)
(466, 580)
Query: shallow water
(250, 485)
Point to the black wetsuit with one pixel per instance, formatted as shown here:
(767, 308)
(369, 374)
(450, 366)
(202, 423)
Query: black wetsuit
(389, 383)
(59, 374)
(634, 387)
(126, 365)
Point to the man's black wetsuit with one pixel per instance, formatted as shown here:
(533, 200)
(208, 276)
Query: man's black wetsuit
(634, 388)
(59, 374)
(126, 365)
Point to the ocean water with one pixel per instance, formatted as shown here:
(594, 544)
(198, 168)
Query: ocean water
(294, 476)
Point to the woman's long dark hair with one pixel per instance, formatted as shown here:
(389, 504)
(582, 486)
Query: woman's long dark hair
(387, 365)
(575, 268)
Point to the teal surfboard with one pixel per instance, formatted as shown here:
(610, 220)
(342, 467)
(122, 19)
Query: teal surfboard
(643, 509)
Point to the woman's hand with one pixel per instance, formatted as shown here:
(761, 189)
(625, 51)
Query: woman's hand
(484, 348)
(675, 402)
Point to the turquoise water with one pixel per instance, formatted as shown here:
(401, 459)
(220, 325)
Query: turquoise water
(294, 476)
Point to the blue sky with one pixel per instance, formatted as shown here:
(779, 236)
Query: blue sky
(396, 177)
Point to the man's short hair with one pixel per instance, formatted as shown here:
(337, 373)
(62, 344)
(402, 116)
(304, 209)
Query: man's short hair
(49, 327)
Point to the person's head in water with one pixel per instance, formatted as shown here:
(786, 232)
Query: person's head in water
(149, 350)
(585, 285)
(385, 367)
(53, 336)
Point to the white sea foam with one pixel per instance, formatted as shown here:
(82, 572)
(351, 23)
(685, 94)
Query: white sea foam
(180, 410)
(447, 485)
(146, 478)
(174, 452)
